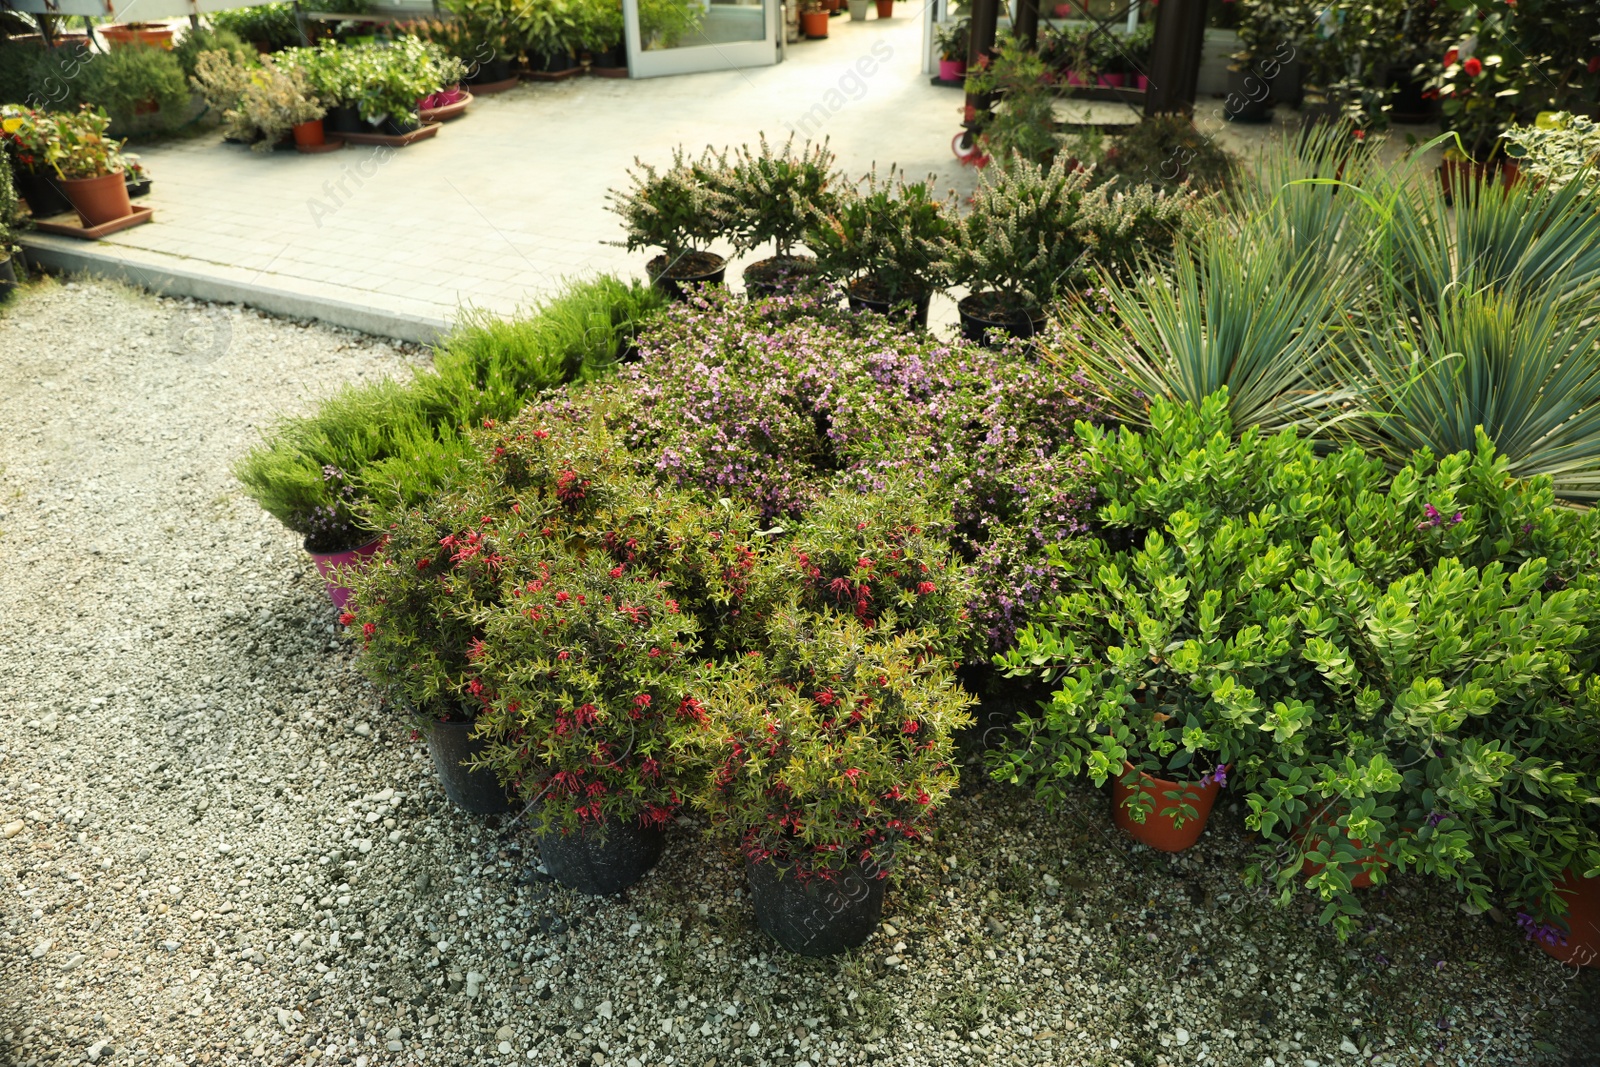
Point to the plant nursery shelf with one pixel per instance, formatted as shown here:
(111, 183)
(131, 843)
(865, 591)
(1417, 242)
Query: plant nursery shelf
(69, 225)
(421, 133)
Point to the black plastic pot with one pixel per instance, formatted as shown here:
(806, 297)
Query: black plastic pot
(139, 188)
(343, 119)
(982, 318)
(691, 269)
(600, 860)
(478, 792)
(612, 58)
(8, 278)
(494, 70)
(816, 918)
(1408, 104)
(1247, 96)
(554, 63)
(780, 276)
(42, 192)
(907, 312)
(1287, 85)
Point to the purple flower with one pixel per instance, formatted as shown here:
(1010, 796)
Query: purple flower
(1548, 933)
(1220, 775)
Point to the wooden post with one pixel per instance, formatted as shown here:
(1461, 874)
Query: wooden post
(1026, 29)
(980, 46)
(1175, 57)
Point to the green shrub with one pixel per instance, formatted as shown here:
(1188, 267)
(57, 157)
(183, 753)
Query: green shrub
(394, 444)
(210, 39)
(1021, 124)
(671, 209)
(1390, 668)
(1167, 151)
(887, 242)
(271, 25)
(11, 219)
(765, 196)
(127, 81)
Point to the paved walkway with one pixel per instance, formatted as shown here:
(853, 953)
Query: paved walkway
(508, 200)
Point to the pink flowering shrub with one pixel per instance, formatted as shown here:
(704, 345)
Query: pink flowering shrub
(831, 748)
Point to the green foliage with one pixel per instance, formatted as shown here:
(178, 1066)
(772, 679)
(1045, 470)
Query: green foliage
(891, 236)
(272, 25)
(762, 195)
(126, 81)
(1389, 667)
(665, 23)
(11, 219)
(1021, 123)
(209, 39)
(951, 38)
(1033, 233)
(672, 209)
(398, 443)
(1244, 315)
(1558, 149)
(830, 748)
(1167, 151)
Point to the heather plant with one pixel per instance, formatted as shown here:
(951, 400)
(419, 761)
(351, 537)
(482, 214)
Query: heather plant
(671, 209)
(1393, 669)
(831, 747)
(1034, 232)
(786, 404)
(767, 195)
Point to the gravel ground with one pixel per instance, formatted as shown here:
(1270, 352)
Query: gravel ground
(219, 848)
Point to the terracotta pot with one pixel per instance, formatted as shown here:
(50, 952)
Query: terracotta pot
(814, 24)
(1160, 828)
(886, 9)
(1458, 175)
(1582, 896)
(99, 200)
(156, 36)
(309, 134)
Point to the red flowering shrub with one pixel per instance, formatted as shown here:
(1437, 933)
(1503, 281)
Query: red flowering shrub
(830, 748)
(881, 558)
(585, 668)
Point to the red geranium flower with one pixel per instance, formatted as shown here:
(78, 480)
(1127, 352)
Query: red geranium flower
(1473, 67)
(1450, 56)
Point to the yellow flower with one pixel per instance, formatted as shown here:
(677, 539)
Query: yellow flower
(11, 125)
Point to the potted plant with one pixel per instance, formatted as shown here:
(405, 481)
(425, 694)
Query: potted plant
(10, 222)
(1557, 148)
(885, 246)
(1020, 119)
(599, 35)
(952, 40)
(89, 164)
(549, 33)
(142, 88)
(673, 210)
(276, 103)
(28, 135)
(813, 19)
(858, 10)
(412, 608)
(825, 755)
(763, 196)
(1034, 232)
(148, 34)
(885, 9)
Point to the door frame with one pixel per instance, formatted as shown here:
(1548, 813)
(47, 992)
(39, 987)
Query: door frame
(696, 59)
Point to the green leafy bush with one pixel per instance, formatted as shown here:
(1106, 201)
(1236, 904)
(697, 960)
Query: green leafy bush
(1167, 151)
(1021, 123)
(10, 208)
(209, 39)
(763, 195)
(672, 209)
(887, 242)
(269, 25)
(1392, 669)
(139, 86)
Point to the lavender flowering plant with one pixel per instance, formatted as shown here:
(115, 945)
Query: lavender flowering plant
(785, 404)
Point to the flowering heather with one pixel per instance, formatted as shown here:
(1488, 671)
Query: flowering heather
(783, 404)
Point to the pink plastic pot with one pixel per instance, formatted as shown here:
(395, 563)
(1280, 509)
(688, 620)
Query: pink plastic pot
(1073, 78)
(1141, 82)
(952, 69)
(328, 564)
(1113, 81)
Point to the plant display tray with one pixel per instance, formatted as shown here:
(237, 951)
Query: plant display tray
(609, 72)
(490, 88)
(448, 112)
(552, 75)
(956, 83)
(421, 133)
(330, 144)
(69, 225)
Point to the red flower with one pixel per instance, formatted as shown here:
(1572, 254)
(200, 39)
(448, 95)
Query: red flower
(562, 598)
(1450, 56)
(925, 588)
(1594, 64)
(642, 700)
(910, 726)
(853, 773)
(368, 629)
(616, 572)
(346, 619)
(1473, 67)
(1361, 135)
(422, 564)
(563, 655)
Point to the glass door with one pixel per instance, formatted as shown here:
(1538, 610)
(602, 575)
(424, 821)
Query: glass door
(690, 36)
